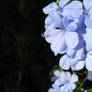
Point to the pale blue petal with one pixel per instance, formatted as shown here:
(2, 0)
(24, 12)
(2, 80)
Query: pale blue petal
(88, 21)
(50, 33)
(87, 4)
(65, 62)
(51, 90)
(53, 79)
(88, 39)
(57, 73)
(89, 75)
(77, 65)
(71, 53)
(56, 87)
(56, 18)
(50, 8)
(80, 50)
(48, 20)
(72, 26)
(62, 89)
(62, 3)
(71, 39)
(66, 21)
(58, 44)
(73, 86)
(68, 74)
(63, 78)
(89, 62)
(74, 78)
(73, 10)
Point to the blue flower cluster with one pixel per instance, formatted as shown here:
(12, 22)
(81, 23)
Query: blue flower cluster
(64, 82)
(69, 31)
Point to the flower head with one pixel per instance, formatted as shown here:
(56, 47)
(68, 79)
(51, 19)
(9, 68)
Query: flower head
(65, 82)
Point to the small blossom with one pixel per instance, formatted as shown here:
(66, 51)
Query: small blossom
(65, 82)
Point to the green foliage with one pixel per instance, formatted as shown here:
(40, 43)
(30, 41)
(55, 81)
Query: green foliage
(57, 1)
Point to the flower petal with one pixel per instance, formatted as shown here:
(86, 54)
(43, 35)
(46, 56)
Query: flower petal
(48, 20)
(77, 65)
(87, 4)
(74, 78)
(51, 90)
(58, 44)
(73, 86)
(88, 39)
(71, 39)
(63, 78)
(56, 18)
(65, 62)
(62, 3)
(50, 33)
(71, 26)
(88, 21)
(71, 11)
(49, 8)
(68, 74)
(89, 62)
(57, 73)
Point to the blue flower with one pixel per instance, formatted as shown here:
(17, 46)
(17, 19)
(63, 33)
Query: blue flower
(61, 38)
(88, 13)
(65, 82)
(61, 30)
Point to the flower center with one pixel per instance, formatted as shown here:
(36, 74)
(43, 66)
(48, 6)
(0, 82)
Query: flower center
(85, 12)
(81, 36)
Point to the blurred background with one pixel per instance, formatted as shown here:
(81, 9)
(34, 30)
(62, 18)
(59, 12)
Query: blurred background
(25, 58)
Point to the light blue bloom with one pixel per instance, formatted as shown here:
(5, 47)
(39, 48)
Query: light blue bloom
(66, 82)
(89, 75)
(88, 13)
(61, 31)
(60, 39)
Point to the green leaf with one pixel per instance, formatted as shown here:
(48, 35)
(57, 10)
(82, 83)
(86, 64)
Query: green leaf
(57, 1)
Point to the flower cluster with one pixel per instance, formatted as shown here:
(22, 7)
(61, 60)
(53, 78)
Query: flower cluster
(69, 31)
(64, 82)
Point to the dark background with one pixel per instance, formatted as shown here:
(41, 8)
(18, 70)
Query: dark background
(25, 58)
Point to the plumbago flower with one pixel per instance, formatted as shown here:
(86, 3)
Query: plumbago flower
(65, 82)
(61, 30)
